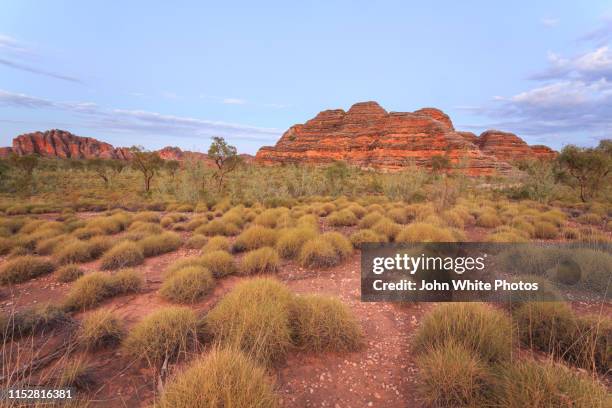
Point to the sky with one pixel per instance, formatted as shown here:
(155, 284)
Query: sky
(156, 73)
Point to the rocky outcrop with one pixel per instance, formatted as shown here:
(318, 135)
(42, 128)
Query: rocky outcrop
(367, 136)
(65, 145)
(543, 152)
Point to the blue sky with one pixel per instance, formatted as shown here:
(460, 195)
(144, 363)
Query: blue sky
(176, 73)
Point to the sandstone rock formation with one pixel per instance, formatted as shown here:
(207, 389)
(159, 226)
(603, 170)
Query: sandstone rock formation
(370, 137)
(62, 144)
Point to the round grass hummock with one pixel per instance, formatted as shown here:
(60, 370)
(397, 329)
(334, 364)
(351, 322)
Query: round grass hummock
(221, 378)
(68, 273)
(122, 255)
(321, 323)
(216, 243)
(479, 328)
(165, 333)
(364, 236)
(255, 317)
(100, 328)
(159, 244)
(23, 268)
(291, 241)
(93, 288)
(255, 237)
(219, 263)
(188, 285)
(423, 232)
(342, 218)
(262, 260)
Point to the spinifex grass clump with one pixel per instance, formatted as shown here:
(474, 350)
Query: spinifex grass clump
(216, 243)
(321, 323)
(32, 320)
(254, 317)
(68, 273)
(291, 240)
(531, 384)
(255, 237)
(424, 232)
(23, 268)
(452, 375)
(325, 250)
(188, 285)
(218, 227)
(367, 236)
(100, 328)
(122, 255)
(164, 334)
(159, 244)
(221, 378)
(91, 289)
(219, 263)
(196, 241)
(479, 328)
(342, 218)
(262, 260)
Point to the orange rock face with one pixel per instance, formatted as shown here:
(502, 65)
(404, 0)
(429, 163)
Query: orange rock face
(367, 136)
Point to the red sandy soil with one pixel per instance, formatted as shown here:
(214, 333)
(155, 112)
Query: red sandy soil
(382, 374)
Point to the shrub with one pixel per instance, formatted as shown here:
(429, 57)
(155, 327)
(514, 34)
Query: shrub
(423, 232)
(545, 230)
(93, 288)
(222, 378)
(170, 219)
(318, 253)
(254, 317)
(342, 218)
(255, 237)
(47, 246)
(544, 325)
(165, 333)
(262, 260)
(366, 236)
(147, 216)
(488, 219)
(75, 251)
(357, 209)
(108, 225)
(23, 268)
(100, 328)
(145, 228)
(196, 241)
(69, 273)
(452, 376)
(159, 244)
(122, 255)
(308, 220)
(340, 243)
(369, 220)
(321, 323)
(218, 227)
(216, 243)
(530, 384)
(188, 285)
(386, 228)
(219, 263)
(590, 219)
(479, 328)
(291, 240)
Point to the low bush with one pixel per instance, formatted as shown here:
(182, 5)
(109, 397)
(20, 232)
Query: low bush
(453, 376)
(262, 260)
(216, 243)
(221, 378)
(367, 236)
(122, 255)
(340, 243)
(291, 240)
(321, 323)
(68, 273)
(23, 268)
(479, 328)
(545, 230)
(220, 263)
(488, 219)
(146, 216)
(188, 285)
(531, 384)
(196, 241)
(255, 237)
(164, 334)
(387, 228)
(423, 232)
(75, 251)
(172, 218)
(218, 227)
(254, 317)
(100, 328)
(369, 220)
(91, 289)
(159, 244)
(318, 253)
(342, 218)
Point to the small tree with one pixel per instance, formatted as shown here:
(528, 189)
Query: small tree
(172, 167)
(588, 167)
(25, 164)
(225, 157)
(101, 168)
(148, 163)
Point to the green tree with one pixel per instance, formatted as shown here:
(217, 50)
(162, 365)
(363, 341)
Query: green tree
(101, 167)
(146, 162)
(25, 164)
(225, 157)
(588, 167)
(172, 167)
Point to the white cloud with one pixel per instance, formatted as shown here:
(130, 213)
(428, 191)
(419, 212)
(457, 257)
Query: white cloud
(550, 22)
(139, 121)
(591, 65)
(602, 34)
(234, 101)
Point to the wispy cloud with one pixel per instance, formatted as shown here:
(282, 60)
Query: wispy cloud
(141, 122)
(234, 101)
(14, 54)
(602, 34)
(550, 22)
